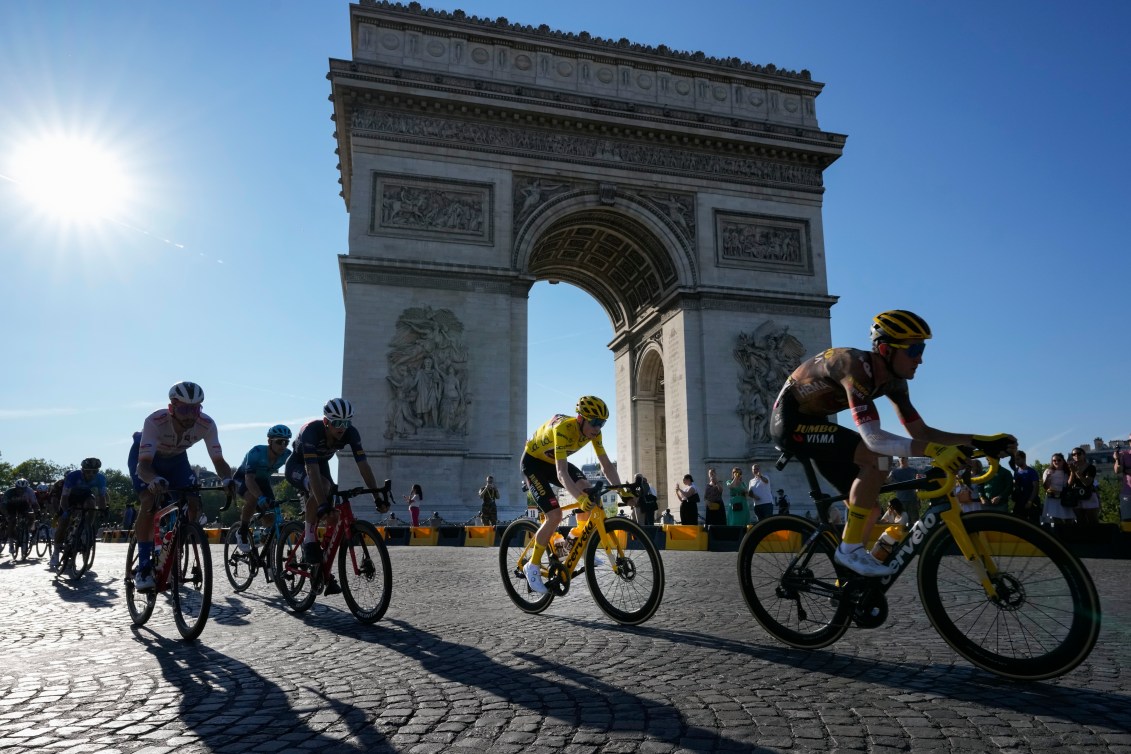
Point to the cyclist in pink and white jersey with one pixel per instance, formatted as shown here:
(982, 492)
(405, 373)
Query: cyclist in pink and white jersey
(159, 460)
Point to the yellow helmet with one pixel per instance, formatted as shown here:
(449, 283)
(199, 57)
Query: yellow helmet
(899, 324)
(592, 408)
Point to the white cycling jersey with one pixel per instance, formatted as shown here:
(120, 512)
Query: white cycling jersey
(159, 436)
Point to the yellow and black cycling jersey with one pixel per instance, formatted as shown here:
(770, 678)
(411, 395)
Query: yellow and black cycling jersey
(560, 438)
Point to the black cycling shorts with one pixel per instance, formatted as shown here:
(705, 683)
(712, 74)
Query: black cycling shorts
(542, 477)
(831, 447)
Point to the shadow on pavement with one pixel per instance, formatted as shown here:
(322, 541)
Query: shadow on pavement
(86, 590)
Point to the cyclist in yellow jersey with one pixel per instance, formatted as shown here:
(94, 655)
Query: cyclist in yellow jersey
(847, 378)
(545, 465)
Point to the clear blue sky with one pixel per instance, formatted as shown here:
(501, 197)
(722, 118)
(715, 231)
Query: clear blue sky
(984, 185)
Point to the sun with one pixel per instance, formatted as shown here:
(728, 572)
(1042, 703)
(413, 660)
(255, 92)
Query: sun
(70, 177)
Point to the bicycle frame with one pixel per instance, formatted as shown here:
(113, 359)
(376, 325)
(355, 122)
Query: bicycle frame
(332, 538)
(164, 566)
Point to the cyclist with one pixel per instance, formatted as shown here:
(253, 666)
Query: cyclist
(254, 479)
(158, 460)
(544, 463)
(848, 378)
(79, 486)
(19, 499)
(308, 471)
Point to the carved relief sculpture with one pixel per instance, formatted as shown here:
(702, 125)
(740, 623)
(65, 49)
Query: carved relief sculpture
(420, 207)
(427, 375)
(766, 358)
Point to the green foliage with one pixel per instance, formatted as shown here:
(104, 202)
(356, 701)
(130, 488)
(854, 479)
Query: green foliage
(37, 470)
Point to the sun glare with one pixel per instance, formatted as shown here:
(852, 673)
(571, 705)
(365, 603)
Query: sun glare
(72, 178)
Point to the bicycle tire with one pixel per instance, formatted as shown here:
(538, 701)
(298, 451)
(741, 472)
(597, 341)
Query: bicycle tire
(365, 573)
(140, 604)
(83, 552)
(630, 588)
(23, 538)
(290, 577)
(43, 540)
(1047, 617)
(792, 602)
(191, 580)
(267, 556)
(516, 537)
(240, 567)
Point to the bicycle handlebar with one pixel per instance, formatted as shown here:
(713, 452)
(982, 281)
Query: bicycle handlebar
(940, 482)
(381, 494)
(636, 487)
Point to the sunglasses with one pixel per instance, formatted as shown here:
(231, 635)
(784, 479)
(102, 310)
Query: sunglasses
(597, 423)
(187, 409)
(279, 441)
(914, 350)
(340, 423)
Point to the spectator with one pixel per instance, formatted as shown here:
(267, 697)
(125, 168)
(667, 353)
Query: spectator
(645, 508)
(997, 490)
(129, 516)
(1122, 459)
(1082, 475)
(896, 519)
(908, 498)
(1026, 503)
(760, 494)
(715, 512)
(413, 499)
(435, 522)
(737, 512)
(489, 495)
(783, 503)
(964, 490)
(1054, 480)
(689, 501)
(667, 518)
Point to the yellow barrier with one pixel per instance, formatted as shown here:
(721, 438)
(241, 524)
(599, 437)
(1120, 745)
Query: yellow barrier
(479, 536)
(424, 535)
(1002, 544)
(214, 536)
(1126, 526)
(781, 541)
(680, 537)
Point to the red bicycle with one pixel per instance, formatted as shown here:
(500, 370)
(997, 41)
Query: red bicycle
(364, 570)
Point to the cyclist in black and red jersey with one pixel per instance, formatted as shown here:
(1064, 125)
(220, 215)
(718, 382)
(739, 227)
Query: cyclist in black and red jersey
(544, 463)
(847, 378)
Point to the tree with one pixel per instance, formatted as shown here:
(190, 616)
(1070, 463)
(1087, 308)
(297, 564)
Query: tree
(37, 470)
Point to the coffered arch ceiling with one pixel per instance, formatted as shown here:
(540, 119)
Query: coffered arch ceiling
(612, 257)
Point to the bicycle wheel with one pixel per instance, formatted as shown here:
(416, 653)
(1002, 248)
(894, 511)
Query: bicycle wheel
(23, 537)
(43, 540)
(513, 555)
(790, 588)
(267, 556)
(140, 603)
(292, 577)
(239, 566)
(191, 580)
(82, 552)
(629, 588)
(365, 573)
(1046, 617)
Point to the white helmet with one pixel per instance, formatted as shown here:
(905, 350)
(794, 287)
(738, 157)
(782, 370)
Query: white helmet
(186, 392)
(337, 409)
(22, 484)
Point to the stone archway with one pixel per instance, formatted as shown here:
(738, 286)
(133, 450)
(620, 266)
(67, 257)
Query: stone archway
(478, 156)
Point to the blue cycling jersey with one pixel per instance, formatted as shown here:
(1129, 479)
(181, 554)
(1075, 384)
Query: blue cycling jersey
(258, 463)
(75, 483)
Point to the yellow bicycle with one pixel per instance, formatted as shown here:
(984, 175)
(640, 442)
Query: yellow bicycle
(622, 564)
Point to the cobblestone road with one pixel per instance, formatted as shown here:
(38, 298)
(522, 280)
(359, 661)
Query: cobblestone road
(455, 667)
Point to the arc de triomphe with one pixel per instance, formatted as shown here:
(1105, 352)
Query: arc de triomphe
(681, 191)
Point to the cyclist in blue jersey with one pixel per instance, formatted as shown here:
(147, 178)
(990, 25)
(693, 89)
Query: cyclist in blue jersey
(254, 479)
(308, 470)
(79, 487)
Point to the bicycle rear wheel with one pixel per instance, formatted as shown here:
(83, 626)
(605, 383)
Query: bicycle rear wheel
(240, 567)
(191, 580)
(513, 555)
(1046, 617)
(293, 577)
(140, 603)
(43, 541)
(790, 587)
(83, 553)
(365, 573)
(630, 587)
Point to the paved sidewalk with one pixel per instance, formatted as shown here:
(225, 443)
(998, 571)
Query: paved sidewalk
(455, 667)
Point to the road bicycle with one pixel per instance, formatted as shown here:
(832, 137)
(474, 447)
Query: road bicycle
(1004, 594)
(182, 565)
(242, 567)
(627, 586)
(19, 544)
(77, 555)
(42, 538)
(364, 571)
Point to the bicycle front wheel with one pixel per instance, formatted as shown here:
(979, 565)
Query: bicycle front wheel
(23, 537)
(1045, 618)
(790, 586)
(514, 551)
(83, 552)
(629, 588)
(239, 566)
(140, 603)
(292, 576)
(191, 580)
(42, 540)
(365, 573)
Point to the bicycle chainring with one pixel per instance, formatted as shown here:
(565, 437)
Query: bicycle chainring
(557, 586)
(870, 609)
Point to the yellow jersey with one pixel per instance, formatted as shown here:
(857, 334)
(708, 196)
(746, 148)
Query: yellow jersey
(560, 438)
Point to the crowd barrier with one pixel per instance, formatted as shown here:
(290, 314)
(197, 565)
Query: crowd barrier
(1094, 541)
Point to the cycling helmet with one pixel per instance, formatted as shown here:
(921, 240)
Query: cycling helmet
(22, 484)
(592, 407)
(279, 430)
(186, 392)
(337, 409)
(91, 463)
(899, 324)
